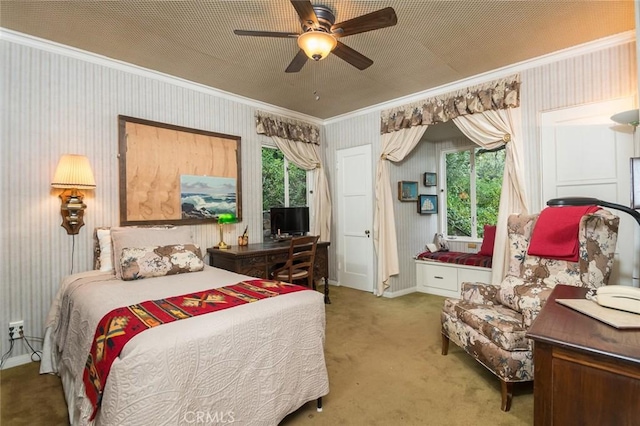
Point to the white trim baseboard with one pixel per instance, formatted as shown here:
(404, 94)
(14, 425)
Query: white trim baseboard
(15, 361)
(394, 294)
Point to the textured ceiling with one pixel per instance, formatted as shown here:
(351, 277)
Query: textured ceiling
(434, 42)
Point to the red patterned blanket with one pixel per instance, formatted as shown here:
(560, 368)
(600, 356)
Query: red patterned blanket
(120, 325)
(556, 233)
(470, 259)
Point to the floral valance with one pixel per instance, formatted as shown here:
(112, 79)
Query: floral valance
(270, 125)
(501, 94)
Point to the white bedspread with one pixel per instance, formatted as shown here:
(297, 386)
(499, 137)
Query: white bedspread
(251, 364)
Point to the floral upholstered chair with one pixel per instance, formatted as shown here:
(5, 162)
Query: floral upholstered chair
(490, 321)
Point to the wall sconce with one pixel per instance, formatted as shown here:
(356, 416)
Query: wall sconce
(224, 219)
(73, 173)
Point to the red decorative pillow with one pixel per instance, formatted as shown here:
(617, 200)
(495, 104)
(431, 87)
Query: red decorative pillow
(488, 240)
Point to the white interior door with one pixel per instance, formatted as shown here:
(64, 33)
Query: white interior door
(355, 218)
(585, 154)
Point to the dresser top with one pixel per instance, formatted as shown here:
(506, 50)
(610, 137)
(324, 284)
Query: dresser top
(563, 326)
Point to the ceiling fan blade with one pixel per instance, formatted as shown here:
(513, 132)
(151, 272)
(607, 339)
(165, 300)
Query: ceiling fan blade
(371, 21)
(305, 11)
(265, 34)
(298, 62)
(351, 56)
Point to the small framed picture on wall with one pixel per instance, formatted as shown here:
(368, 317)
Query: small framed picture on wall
(428, 204)
(407, 190)
(430, 179)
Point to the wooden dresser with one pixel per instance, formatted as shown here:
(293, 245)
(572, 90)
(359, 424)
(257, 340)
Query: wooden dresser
(586, 372)
(257, 260)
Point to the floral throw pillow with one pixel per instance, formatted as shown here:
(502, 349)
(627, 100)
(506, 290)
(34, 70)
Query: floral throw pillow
(147, 262)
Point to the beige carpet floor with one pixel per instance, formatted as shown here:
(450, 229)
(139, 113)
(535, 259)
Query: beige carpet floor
(385, 368)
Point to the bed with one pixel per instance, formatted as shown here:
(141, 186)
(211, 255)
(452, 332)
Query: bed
(249, 364)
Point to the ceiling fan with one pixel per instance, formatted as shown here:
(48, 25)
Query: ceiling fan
(320, 35)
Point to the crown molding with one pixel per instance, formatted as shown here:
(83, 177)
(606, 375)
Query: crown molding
(72, 52)
(83, 55)
(570, 52)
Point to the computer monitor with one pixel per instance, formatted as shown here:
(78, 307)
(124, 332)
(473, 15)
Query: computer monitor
(289, 220)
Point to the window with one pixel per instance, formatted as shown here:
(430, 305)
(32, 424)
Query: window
(283, 184)
(473, 179)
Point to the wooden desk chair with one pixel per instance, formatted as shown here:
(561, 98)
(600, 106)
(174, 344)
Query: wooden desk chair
(299, 265)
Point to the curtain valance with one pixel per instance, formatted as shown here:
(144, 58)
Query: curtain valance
(285, 128)
(500, 94)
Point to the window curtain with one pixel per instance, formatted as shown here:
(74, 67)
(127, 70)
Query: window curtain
(491, 129)
(299, 142)
(395, 147)
(403, 127)
(307, 157)
(495, 95)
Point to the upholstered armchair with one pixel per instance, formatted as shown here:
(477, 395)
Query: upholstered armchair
(490, 321)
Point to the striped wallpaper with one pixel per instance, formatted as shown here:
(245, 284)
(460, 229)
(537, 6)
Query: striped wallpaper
(604, 73)
(597, 76)
(55, 102)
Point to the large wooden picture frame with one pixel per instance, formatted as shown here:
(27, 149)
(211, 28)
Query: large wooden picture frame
(176, 175)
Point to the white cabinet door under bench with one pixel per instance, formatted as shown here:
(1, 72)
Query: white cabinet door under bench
(445, 279)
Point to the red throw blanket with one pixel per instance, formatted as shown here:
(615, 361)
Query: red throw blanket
(120, 325)
(555, 235)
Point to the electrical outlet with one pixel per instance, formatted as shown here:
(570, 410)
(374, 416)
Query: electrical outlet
(14, 330)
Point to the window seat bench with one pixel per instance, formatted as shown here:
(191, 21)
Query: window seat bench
(442, 273)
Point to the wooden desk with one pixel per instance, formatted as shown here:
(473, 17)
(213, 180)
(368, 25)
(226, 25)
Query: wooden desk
(257, 260)
(585, 371)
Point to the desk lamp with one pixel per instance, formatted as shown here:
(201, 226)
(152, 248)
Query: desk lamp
(223, 219)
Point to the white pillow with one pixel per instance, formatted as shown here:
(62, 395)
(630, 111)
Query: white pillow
(132, 237)
(106, 253)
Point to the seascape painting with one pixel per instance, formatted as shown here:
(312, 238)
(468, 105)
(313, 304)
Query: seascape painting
(205, 197)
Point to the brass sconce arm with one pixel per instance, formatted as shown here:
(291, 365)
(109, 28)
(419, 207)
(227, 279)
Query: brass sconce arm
(72, 210)
(73, 173)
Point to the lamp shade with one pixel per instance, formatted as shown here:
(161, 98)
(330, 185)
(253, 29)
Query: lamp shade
(317, 44)
(631, 117)
(226, 218)
(73, 171)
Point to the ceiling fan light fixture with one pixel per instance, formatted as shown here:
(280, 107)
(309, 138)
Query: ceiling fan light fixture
(317, 44)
